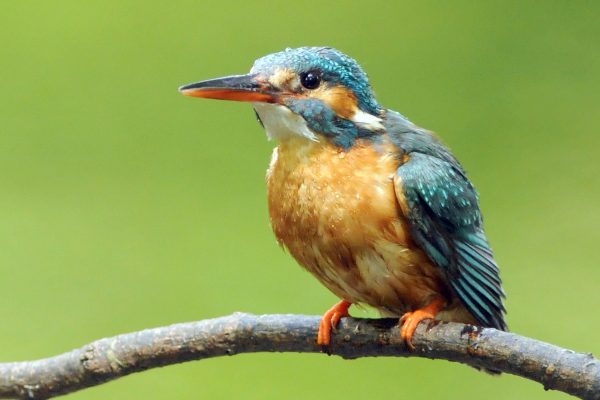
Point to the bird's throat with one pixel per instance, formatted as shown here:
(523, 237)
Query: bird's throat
(281, 123)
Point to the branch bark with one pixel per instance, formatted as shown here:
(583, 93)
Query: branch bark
(110, 358)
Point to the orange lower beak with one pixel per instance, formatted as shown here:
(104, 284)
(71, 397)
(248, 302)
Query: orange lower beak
(236, 88)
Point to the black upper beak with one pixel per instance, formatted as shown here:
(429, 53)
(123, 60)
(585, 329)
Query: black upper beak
(237, 87)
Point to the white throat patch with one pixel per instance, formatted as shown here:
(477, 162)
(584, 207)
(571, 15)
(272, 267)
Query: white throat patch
(280, 122)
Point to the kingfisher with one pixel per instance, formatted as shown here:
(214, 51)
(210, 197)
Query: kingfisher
(375, 207)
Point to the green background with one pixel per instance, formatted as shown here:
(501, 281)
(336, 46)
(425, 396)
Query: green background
(124, 205)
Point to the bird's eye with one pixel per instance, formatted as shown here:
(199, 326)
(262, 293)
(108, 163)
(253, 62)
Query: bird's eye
(311, 79)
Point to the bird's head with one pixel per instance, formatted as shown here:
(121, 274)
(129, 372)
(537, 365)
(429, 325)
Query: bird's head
(316, 93)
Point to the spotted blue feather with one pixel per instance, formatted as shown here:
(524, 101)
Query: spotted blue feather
(446, 222)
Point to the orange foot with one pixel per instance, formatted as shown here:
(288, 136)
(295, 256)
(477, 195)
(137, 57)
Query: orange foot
(330, 320)
(411, 320)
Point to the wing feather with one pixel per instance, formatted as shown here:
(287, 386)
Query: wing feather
(442, 208)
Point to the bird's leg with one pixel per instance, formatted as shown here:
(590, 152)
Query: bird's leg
(330, 320)
(411, 320)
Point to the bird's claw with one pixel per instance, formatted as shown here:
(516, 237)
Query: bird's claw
(410, 320)
(330, 321)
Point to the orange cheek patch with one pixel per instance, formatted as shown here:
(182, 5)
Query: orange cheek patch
(340, 99)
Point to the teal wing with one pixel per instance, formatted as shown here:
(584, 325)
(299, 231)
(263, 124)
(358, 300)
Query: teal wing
(442, 208)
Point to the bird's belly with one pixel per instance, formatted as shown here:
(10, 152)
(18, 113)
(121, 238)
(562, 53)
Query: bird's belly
(337, 214)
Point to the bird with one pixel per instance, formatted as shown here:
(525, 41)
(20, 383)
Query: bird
(377, 208)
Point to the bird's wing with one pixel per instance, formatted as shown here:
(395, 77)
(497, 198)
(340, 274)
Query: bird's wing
(442, 208)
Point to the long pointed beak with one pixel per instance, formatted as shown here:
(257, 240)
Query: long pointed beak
(237, 88)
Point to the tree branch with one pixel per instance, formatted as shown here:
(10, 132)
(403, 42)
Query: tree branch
(110, 358)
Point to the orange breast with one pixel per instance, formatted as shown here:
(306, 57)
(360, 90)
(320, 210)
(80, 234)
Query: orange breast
(337, 214)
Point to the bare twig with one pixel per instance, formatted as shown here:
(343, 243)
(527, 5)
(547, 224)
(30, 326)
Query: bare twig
(111, 358)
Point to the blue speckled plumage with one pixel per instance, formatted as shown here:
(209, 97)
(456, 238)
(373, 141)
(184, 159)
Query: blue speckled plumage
(446, 222)
(446, 219)
(337, 68)
(342, 155)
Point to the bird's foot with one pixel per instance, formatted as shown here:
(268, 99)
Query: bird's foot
(411, 320)
(330, 321)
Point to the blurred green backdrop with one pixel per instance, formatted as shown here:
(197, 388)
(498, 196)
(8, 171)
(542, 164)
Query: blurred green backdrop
(126, 206)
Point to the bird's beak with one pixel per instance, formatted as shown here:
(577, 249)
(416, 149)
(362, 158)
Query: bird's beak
(237, 88)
